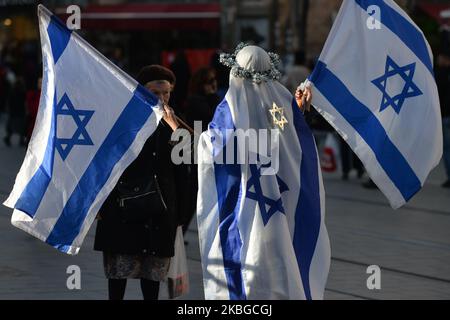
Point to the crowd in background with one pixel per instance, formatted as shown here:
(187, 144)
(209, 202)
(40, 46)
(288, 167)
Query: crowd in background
(196, 94)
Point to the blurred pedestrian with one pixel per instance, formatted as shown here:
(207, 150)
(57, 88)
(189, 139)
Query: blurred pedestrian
(32, 101)
(203, 98)
(180, 67)
(349, 161)
(16, 111)
(118, 58)
(200, 106)
(442, 76)
(297, 73)
(222, 75)
(3, 88)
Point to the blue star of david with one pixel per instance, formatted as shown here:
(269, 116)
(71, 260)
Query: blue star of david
(409, 90)
(80, 136)
(274, 205)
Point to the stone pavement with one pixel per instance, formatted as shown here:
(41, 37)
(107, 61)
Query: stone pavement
(411, 245)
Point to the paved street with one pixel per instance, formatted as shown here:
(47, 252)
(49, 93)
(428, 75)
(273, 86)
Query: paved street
(411, 246)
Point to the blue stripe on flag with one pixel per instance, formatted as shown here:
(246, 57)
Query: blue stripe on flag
(369, 128)
(229, 193)
(59, 36)
(308, 212)
(34, 191)
(406, 31)
(118, 141)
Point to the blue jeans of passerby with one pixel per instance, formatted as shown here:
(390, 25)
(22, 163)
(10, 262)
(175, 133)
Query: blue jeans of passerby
(446, 132)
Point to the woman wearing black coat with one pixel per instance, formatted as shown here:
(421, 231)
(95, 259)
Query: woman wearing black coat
(137, 223)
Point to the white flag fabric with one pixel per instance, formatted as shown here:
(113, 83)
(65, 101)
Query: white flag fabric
(374, 83)
(93, 120)
(262, 234)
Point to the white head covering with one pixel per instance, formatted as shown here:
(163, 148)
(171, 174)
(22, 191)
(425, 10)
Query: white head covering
(253, 58)
(254, 88)
(253, 63)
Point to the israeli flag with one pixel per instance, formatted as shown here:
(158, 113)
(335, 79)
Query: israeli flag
(374, 83)
(261, 225)
(93, 121)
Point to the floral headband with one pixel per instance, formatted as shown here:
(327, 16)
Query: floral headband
(273, 73)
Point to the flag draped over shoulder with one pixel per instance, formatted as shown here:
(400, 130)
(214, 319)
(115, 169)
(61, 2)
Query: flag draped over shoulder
(262, 233)
(375, 85)
(93, 121)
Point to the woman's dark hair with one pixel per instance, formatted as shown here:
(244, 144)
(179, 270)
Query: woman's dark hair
(199, 79)
(155, 72)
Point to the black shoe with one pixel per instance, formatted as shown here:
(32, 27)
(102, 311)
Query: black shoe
(369, 185)
(360, 174)
(345, 176)
(7, 141)
(446, 184)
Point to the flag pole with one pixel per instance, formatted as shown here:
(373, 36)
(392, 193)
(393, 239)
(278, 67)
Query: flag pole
(185, 125)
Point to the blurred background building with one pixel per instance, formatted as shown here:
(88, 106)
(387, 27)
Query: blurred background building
(137, 33)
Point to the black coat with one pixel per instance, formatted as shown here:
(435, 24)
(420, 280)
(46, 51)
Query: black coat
(149, 231)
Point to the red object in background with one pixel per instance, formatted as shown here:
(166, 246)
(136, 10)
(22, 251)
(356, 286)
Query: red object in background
(434, 10)
(144, 16)
(328, 160)
(32, 100)
(197, 58)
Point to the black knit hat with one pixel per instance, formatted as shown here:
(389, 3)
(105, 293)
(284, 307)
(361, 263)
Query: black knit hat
(155, 72)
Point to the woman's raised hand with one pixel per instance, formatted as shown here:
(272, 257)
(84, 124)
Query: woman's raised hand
(170, 117)
(303, 98)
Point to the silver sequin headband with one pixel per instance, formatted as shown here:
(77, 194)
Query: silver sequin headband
(229, 60)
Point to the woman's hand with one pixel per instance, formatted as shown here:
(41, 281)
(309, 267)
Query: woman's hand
(170, 117)
(304, 98)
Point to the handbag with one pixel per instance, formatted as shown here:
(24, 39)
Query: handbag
(140, 199)
(136, 199)
(178, 276)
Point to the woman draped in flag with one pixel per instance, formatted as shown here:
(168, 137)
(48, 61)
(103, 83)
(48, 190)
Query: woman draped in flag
(261, 200)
